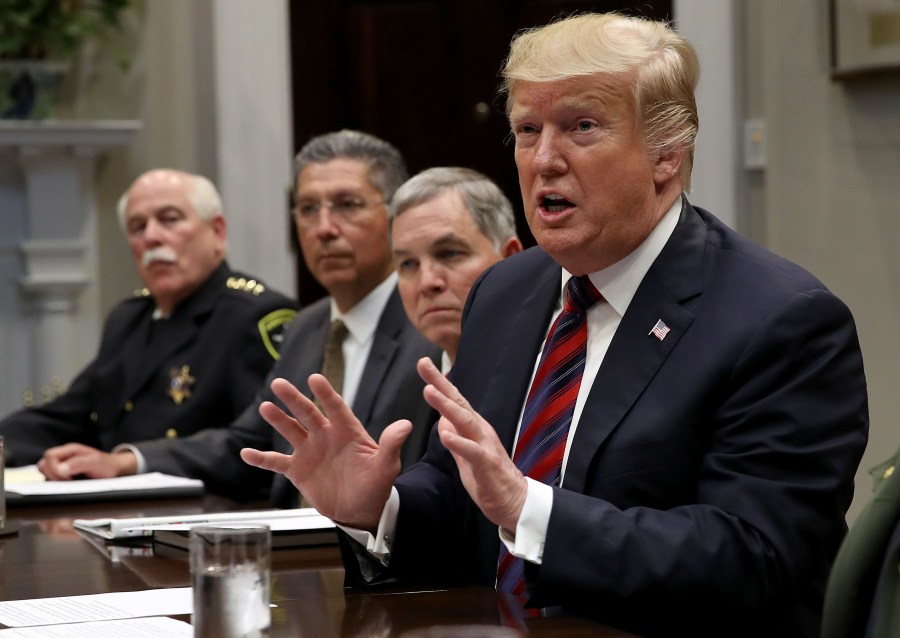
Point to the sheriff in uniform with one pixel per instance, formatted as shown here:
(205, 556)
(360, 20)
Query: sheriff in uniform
(186, 353)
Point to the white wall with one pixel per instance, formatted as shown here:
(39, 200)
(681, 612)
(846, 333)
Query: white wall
(255, 143)
(713, 30)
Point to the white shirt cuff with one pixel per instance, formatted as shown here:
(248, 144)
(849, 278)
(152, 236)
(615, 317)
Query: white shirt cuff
(531, 530)
(379, 545)
(141, 462)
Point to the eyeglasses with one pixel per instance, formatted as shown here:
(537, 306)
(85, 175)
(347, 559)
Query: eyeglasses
(344, 208)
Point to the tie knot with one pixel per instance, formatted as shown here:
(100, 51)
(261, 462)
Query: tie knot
(581, 294)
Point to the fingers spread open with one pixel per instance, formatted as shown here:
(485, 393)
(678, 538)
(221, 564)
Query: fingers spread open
(287, 426)
(432, 376)
(460, 447)
(336, 409)
(457, 411)
(303, 410)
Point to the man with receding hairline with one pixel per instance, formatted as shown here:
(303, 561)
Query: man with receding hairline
(187, 353)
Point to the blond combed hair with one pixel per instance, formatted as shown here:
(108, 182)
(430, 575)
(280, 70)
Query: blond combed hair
(661, 65)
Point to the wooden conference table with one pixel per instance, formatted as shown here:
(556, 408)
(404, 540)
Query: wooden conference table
(48, 558)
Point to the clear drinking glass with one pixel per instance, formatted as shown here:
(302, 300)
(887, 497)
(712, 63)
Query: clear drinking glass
(231, 575)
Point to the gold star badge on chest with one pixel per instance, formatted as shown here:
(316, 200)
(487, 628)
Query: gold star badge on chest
(180, 384)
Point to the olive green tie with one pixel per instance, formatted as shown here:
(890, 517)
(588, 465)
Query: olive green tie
(332, 369)
(333, 361)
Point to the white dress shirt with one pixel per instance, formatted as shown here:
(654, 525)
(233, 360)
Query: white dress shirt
(361, 321)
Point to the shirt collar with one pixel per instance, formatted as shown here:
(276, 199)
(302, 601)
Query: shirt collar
(446, 364)
(618, 283)
(362, 319)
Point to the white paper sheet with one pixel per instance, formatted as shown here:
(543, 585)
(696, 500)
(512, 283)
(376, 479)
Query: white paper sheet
(293, 523)
(116, 605)
(115, 528)
(24, 474)
(131, 627)
(153, 480)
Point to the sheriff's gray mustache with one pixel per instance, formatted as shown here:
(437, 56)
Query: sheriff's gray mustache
(162, 253)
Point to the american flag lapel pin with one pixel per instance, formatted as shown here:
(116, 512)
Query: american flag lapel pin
(660, 330)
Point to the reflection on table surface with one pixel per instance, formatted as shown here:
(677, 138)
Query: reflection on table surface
(49, 558)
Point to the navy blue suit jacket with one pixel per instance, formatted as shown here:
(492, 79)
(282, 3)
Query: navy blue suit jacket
(710, 472)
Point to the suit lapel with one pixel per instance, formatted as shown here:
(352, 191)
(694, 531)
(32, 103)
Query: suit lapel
(303, 350)
(384, 349)
(633, 358)
(309, 352)
(515, 364)
(635, 354)
(302, 353)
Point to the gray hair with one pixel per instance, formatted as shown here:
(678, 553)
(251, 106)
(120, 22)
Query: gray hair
(387, 169)
(489, 207)
(202, 195)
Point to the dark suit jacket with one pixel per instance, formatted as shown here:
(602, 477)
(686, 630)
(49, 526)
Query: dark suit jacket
(412, 406)
(214, 456)
(226, 333)
(864, 583)
(710, 472)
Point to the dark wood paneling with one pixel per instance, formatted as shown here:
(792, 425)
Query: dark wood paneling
(419, 74)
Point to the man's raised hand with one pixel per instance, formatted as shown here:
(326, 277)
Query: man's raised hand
(335, 464)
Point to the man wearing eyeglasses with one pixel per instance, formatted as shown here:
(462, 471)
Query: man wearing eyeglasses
(343, 183)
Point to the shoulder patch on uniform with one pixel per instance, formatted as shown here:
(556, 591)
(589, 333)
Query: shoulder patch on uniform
(272, 328)
(243, 284)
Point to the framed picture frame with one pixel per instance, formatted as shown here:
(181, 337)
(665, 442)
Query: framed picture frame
(865, 38)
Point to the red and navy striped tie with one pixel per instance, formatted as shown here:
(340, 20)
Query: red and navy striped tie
(549, 408)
